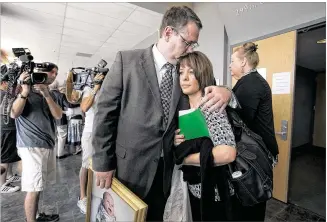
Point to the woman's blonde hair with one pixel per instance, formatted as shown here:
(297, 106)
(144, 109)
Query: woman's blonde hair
(201, 66)
(249, 51)
(4, 57)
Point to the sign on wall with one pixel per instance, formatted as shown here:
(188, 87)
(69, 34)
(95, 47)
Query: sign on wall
(281, 83)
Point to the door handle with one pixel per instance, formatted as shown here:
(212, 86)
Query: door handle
(283, 131)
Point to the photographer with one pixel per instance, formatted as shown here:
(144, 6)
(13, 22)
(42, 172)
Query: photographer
(8, 147)
(87, 105)
(8, 132)
(35, 110)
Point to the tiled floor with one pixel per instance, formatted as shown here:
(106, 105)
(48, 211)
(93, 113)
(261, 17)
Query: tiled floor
(307, 181)
(61, 198)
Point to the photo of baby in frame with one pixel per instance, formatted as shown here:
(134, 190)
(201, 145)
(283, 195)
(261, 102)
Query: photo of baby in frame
(115, 204)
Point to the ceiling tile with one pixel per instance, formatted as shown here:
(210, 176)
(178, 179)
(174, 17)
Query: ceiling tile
(91, 28)
(30, 15)
(96, 28)
(48, 7)
(145, 19)
(125, 36)
(149, 12)
(73, 50)
(128, 44)
(33, 37)
(79, 45)
(129, 5)
(68, 38)
(135, 29)
(86, 34)
(115, 41)
(39, 51)
(116, 47)
(9, 43)
(65, 60)
(112, 10)
(92, 18)
(22, 25)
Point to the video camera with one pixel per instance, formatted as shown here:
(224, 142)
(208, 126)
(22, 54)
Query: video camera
(85, 76)
(24, 63)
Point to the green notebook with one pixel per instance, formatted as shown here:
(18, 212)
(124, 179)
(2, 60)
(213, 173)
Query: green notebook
(192, 124)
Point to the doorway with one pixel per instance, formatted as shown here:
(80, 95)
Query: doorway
(307, 178)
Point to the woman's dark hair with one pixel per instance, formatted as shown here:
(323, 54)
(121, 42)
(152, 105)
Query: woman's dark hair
(201, 66)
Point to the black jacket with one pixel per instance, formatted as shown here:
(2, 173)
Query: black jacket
(207, 174)
(254, 95)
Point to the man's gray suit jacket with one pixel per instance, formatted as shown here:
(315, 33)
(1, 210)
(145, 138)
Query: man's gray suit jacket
(128, 133)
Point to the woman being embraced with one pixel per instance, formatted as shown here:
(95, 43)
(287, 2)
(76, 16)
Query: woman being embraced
(204, 159)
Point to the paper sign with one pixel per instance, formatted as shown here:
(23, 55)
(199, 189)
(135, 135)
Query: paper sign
(281, 83)
(262, 72)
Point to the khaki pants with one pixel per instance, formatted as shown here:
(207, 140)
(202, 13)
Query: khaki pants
(61, 141)
(39, 167)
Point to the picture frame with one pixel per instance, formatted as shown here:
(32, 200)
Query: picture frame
(118, 202)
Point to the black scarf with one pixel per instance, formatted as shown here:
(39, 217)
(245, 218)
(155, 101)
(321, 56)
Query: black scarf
(207, 174)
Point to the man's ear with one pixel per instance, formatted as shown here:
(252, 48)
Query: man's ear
(167, 33)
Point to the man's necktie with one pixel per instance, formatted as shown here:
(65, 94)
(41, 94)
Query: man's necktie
(166, 87)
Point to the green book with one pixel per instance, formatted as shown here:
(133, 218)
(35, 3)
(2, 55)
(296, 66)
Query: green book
(192, 124)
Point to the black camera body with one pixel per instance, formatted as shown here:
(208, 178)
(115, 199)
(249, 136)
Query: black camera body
(24, 63)
(85, 78)
(37, 71)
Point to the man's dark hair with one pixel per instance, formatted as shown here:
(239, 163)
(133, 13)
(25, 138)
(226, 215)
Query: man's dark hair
(178, 17)
(51, 66)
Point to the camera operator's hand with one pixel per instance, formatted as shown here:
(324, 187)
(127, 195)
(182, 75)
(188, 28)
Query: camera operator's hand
(25, 77)
(43, 89)
(98, 78)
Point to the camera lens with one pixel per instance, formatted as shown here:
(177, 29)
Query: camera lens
(39, 78)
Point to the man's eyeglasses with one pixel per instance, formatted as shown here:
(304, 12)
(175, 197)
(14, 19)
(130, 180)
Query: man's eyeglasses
(188, 44)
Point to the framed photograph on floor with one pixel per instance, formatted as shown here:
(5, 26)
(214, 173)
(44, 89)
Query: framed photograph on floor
(115, 204)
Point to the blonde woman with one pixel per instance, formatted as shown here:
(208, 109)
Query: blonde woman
(254, 95)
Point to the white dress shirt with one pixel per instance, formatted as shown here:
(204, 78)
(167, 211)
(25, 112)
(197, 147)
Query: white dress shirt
(159, 62)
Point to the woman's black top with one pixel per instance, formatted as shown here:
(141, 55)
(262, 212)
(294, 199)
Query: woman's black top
(254, 95)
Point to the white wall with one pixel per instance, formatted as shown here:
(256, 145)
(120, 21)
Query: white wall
(260, 19)
(212, 37)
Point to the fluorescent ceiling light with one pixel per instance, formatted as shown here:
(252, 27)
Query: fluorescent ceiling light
(321, 41)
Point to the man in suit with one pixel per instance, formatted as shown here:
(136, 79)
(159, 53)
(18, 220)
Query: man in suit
(134, 121)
